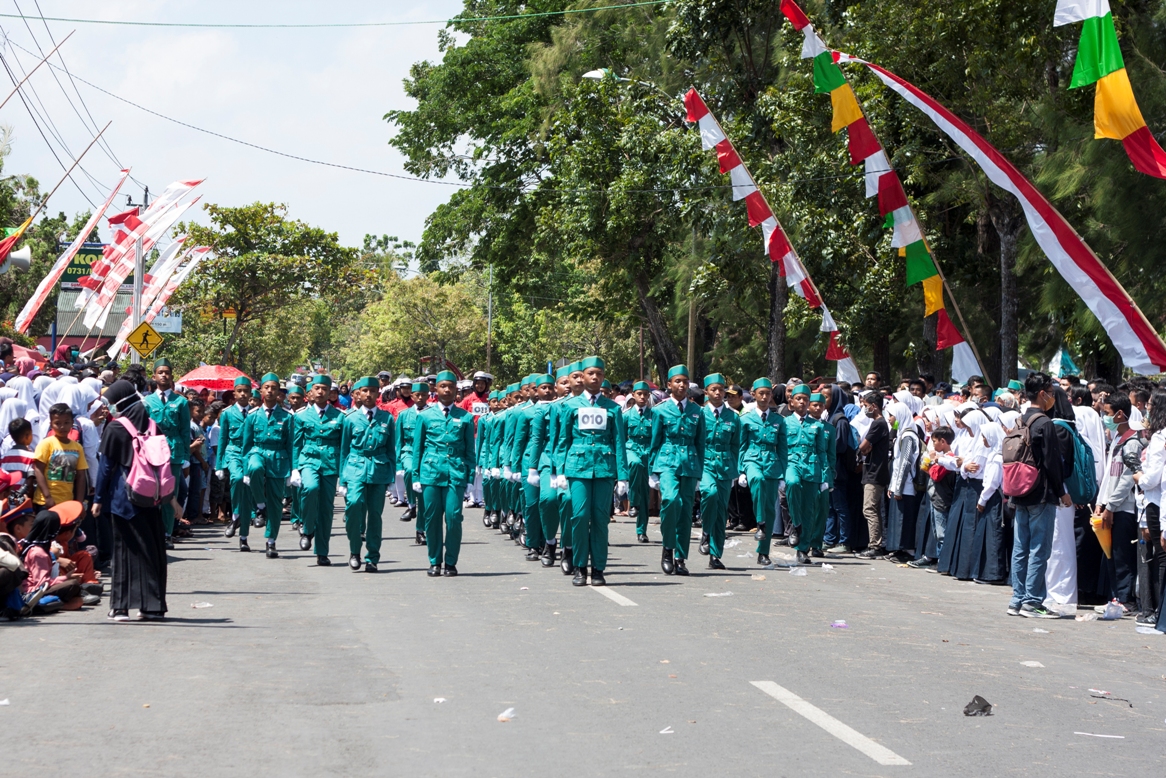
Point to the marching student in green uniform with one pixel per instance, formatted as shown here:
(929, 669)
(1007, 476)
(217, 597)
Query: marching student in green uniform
(559, 458)
(316, 466)
(171, 414)
(506, 400)
(762, 461)
(722, 449)
(482, 458)
(676, 465)
(530, 445)
(542, 440)
(231, 460)
(406, 427)
(443, 461)
(804, 475)
(267, 451)
(817, 404)
(296, 400)
(591, 439)
(367, 453)
(638, 422)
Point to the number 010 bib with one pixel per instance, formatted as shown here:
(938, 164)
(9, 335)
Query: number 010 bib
(592, 418)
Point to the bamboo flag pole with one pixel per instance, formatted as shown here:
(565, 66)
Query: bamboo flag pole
(43, 61)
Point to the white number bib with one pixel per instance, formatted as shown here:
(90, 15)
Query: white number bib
(593, 418)
(480, 409)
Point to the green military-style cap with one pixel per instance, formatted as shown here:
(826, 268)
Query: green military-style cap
(421, 386)
(605, 385)
(161, 363)
(255, 393)
(512, 389)
(799, 389)
(563, 372)
(295, 389)
(592, 361)
(575, 367)
(243, 381)
(817, 398)
(641, 386)
(762, 383)
(367, 382)
(677, 370)
(446, 375)
(323, 380)
(493, 395)
(714, 378)
(542, 379)
(525, 381)
(268, 378)
(1015, 385)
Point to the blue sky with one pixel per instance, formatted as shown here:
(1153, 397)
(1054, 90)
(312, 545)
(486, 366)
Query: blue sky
(313, 93)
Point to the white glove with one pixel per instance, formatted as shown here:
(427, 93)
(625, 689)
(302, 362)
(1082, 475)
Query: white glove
(781, 486)
(507, 474)
(654, 482)
(621, 488)
(417, 487)
(825, 487)
(561, 483)
(477, 471)
(532, 477)
(743, 480)
(516, 477)
(295, 481)
(246, 480)
(401, 473)
(495, 472)
(342, 490)
(220, 474)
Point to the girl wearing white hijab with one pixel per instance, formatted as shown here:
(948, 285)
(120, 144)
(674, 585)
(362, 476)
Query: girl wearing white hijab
(39, 386)
(79, 398)
(958, 556)
(991, 542)
(903, 502)
(23, 388)
(50, 397)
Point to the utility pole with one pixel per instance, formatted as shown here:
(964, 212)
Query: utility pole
(692, 314)
(139, 273)
(489, 312)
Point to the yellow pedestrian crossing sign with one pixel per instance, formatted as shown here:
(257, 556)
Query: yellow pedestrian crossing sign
(144, 339)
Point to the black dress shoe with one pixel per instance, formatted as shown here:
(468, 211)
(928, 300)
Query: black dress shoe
(260, 517)
(548, 557)
(169, 543)
(715, 564)
(419, 539)
(763, 559)
(323, 561)
(495, 520)
(533, 554)
(232, 528)
(434, 571)
(804, 558)
(305, 542)
(681, 568)
(792, 538)
(759, 534)
(354, 562)
(633, 512)
(666, 562)
(818, 553)
(703, 548)
(243, 545)
(642, 538)
(597, 578)
(568, 564)
(369, 567)
(580, 578)
(450, 571)
(271, 552)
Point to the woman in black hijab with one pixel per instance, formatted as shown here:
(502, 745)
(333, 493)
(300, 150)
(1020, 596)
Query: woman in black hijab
(139, 544)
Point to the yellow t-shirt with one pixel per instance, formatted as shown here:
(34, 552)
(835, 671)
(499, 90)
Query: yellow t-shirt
(61, 461)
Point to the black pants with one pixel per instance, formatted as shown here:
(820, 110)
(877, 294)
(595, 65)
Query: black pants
(1151, 565)
(1124, 564)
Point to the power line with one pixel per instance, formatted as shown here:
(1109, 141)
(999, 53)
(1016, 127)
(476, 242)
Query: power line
(339, 25)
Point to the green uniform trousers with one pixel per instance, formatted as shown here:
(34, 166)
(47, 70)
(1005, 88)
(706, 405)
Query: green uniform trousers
(677, 493)
(317, 494)
(294, 503)
(638, 494)
(489, 494)
(764, 493)
(532, 514)
(804, 503)
(443, 511)
(363, 506)
(714, 511)
(266, 490)
(565, 517)
(817, 533)
(167, 508)
(548, 508)
(414, 500)
(241, 507)
(590, 517)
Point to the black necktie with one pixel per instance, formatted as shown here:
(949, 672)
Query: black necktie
(322, 411)
(595, 399)
(765, 415)
(447, 412)
(370, 413)
(269, 412)
(643, 411)
(717, 414)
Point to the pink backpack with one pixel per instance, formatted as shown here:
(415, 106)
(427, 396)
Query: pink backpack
(149, 481)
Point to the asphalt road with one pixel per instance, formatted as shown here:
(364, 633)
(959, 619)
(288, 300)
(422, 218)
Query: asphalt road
(302, 670)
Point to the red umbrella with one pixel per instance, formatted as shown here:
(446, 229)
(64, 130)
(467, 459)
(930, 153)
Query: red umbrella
(216, 378)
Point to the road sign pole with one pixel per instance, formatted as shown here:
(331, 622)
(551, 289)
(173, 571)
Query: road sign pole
(136, 306)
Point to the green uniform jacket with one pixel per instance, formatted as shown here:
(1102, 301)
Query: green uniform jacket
(722, 443)
(367, 449)
(507, 456)
(316, 441)
(443, 447)
(273, 437)
(592, 439)
(805, 445)
(677, 439)
(763, 444)
(231, 437)
(549, 460)
(173, 420)
(831, 459)
(493, 443)
(406, 428)
(535, 457)
(481, 437)
(522, 438)
(638, 427)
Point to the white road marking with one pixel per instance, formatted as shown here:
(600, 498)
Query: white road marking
(615, 597)
(880, 754)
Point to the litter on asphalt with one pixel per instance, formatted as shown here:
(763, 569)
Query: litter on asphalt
(797, 571)
(719, 594)
(1032, 663)
(978, 707)
(840, 624)
(666, 731)
(201, 605)
(439, 699)
(506, 715)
